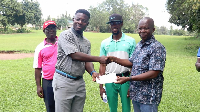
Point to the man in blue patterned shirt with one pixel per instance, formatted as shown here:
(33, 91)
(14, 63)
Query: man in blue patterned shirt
(147, 62)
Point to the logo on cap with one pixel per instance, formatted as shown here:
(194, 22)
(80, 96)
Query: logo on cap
(47, 23)
(115, 18)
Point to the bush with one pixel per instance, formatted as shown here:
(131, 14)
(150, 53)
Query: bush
(8, 31)
(23, 30)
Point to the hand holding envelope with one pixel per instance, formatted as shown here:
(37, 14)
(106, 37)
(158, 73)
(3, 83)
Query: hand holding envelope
(109, 78)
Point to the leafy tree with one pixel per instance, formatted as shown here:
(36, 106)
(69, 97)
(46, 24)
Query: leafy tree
(99, 18)
(31, 13)
(131, 15)
(9, 11)
(62, 22)
(171, 30)
(119, 7)
(163, 30)
(48, 18)
(25, 12)
(185, 13)
(179, 32)
(137, 12)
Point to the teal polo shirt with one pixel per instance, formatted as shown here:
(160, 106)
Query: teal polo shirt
(122, 48)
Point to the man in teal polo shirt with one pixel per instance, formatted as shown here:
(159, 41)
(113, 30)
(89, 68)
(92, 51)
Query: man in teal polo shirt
(121, 46)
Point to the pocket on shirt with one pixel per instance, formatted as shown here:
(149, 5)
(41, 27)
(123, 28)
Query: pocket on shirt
(85, 49)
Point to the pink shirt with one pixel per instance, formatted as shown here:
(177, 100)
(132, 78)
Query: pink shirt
(45, 57)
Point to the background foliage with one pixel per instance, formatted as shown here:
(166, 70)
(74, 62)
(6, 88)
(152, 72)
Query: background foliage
(21, 13)
(18, 89)
(185, 13)
(28, 13)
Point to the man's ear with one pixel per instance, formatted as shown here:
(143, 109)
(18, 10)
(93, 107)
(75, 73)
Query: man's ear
(88, 23)
(153, 29)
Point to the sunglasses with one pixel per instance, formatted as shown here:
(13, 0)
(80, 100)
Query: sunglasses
(115, 23)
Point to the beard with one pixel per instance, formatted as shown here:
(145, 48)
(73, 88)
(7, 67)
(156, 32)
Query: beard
(115, 33)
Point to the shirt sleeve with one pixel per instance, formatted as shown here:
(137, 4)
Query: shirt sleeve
(102, 49)
(198, 53)
(67, 43)
(132, 48)
(157, 58)
(37, 62)
(132, 55)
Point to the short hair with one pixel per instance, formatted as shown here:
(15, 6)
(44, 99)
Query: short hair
(150, 20)
(84, 12)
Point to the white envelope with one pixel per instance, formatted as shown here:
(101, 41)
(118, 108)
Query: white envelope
(109, 78)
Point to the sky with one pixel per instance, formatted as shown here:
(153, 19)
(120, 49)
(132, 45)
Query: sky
(54, 8)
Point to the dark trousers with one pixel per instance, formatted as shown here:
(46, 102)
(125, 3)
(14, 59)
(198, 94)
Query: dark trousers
(48, 95)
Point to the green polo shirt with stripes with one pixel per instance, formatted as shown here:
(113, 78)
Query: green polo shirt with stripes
(122, 48)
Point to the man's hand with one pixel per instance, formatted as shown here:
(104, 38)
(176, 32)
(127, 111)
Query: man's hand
(110, 59)
(94, 76)
(128, 93)
(122, 80)
(40, 92)
(103, 60)
(102, 90)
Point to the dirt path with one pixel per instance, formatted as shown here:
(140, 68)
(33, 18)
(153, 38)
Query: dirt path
(13, 56)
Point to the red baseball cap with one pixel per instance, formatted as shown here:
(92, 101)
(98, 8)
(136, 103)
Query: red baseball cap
(47, 23)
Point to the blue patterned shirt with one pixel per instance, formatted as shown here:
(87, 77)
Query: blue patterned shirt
(148, 55)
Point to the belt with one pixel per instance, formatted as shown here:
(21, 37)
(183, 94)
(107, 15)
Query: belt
(126, 74)
(67, 75)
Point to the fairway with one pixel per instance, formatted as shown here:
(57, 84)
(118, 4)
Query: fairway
(181, 80)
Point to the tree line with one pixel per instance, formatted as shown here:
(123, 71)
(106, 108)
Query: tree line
(185, 13)
(21, 13)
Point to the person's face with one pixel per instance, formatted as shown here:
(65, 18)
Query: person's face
(116, 27)
(80, 22)
(145, 30)
(50, 31)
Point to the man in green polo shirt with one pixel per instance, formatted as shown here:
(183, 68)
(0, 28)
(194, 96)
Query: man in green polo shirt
(121, 46)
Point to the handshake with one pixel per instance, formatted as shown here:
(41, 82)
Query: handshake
(107, 59)
(103, 60)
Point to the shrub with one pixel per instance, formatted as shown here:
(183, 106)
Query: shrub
(8, 31)
(23, 30)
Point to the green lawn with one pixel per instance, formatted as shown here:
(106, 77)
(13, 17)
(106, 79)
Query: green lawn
(181, 85)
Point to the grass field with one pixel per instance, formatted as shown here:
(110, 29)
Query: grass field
(181, 85)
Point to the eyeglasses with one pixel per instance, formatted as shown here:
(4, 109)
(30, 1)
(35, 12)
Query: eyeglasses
(50, 28)
(115, 23)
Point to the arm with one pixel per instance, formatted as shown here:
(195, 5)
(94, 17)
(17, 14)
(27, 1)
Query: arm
(142, 77)
(123, 62)
(87, 58)
(67, 43)
(197, 64)
(89, 66)
(102, 70)
(38, 82)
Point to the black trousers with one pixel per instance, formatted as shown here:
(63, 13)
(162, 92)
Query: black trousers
(48, 95)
